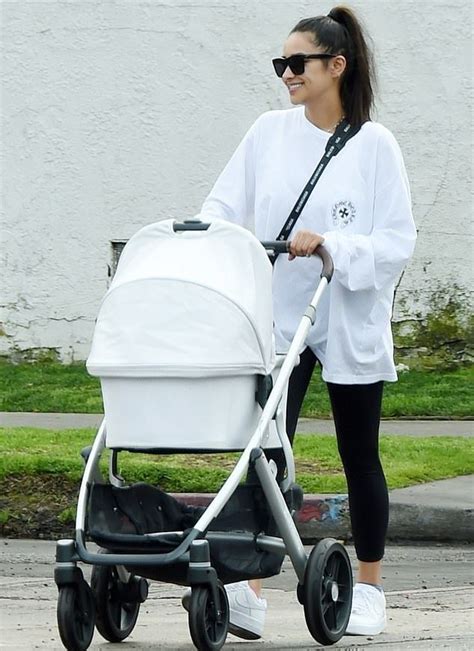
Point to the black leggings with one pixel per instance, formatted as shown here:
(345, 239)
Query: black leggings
(356, 411)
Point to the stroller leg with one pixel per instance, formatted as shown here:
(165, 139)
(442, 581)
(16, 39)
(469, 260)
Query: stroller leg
(280, 512)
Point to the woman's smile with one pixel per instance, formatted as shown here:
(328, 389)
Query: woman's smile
(294, 86)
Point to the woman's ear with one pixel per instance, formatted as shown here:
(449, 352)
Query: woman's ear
(337, 65)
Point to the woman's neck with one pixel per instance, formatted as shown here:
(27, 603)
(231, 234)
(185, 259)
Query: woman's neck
(325, 117)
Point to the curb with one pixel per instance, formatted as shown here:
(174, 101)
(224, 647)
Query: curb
(410, 522)
(327, 516)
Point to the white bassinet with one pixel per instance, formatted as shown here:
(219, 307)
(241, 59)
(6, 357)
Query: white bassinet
(181, 336)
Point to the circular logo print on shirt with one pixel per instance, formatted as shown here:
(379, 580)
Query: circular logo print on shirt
(343, 213)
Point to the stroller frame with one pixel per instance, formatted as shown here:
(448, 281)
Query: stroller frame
(316, 593)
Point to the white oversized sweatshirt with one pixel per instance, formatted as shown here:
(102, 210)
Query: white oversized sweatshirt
(361, 205)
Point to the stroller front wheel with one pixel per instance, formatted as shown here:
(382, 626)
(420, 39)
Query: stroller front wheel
(327, 591)
(208, 625)
(117, 606)
(76, 616)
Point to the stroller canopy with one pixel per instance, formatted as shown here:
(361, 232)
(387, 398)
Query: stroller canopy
(187, 304)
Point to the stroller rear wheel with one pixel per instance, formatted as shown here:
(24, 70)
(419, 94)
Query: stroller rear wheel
(117, 603)
(327, 592)
(76, 616)
(208, 625)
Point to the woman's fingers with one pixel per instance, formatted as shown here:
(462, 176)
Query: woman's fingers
(304, 244)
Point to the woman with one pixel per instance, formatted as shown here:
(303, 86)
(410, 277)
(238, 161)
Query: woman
(360, 210)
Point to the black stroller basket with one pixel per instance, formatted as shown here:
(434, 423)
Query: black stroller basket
(128, 519)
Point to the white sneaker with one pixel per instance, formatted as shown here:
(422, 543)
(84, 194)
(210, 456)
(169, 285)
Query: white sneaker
(368, 615)
(246, 610)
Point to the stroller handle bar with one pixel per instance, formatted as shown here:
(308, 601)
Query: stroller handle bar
(283, 246)
(276, 247)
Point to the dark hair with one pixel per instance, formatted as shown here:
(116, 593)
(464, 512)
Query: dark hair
(342, 33)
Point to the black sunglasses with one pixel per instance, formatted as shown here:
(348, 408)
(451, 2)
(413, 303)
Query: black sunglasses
(297, 62)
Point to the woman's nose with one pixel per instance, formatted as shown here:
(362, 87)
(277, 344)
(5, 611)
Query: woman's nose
(287, 74)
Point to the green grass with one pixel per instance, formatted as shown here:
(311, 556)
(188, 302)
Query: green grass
(407, 461)
(417, 394)
(53, 387)
(4, 516)
(67, 515)
(48, 387)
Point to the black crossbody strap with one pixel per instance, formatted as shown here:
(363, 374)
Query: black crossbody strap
(336, 142)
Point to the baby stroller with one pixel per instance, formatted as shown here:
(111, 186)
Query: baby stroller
(184, 350)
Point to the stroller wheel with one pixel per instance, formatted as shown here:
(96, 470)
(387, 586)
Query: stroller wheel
(327, 591)
(208, 628)
(117, 603)
(76, 616)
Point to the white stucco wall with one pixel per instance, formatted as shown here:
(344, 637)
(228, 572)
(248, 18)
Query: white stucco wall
(119, 113)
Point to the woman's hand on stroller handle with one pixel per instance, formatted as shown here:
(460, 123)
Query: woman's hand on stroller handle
(304, 243)
(304, 247)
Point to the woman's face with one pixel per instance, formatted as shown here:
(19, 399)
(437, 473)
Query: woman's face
(319, 76)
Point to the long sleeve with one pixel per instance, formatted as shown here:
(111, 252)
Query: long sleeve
(233, 196)
(375, 260)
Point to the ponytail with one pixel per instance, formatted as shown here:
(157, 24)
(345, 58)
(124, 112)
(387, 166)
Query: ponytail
(341, 32)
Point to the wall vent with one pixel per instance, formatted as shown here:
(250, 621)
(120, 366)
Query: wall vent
(117, 248)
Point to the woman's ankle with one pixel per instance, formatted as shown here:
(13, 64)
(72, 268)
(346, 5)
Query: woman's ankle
(370, 572)
(256, 586)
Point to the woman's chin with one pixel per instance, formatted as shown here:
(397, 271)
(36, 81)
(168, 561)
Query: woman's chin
(295, 100)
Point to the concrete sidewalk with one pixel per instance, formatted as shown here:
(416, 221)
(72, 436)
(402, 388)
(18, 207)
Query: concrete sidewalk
(305, 425)
(427, 587)
(435, 511)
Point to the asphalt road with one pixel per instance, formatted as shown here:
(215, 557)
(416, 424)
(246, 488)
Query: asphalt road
(429, 589)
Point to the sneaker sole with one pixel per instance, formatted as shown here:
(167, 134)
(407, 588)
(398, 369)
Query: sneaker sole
(243, 633)
(365, 630)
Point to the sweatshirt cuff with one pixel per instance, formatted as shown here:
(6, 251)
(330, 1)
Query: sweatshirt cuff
(330, 242)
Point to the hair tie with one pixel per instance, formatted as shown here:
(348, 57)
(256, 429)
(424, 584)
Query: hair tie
(331, 16)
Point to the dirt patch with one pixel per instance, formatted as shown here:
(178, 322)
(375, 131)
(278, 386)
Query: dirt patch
(313, 468)
(39, 506)
(44, 505)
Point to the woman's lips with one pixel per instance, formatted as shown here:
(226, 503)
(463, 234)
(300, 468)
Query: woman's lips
(294, 87)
